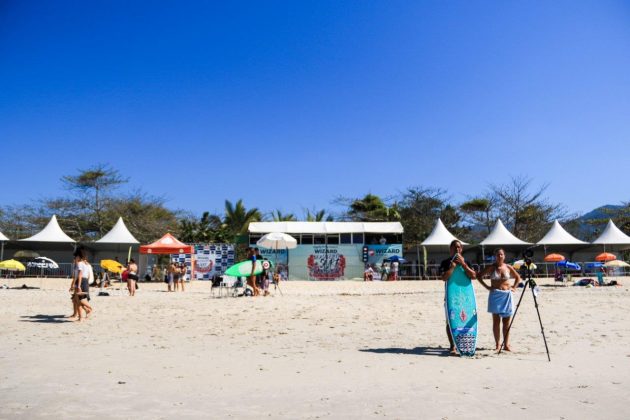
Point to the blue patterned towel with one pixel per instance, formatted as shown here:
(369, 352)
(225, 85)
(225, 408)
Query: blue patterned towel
(500, 303)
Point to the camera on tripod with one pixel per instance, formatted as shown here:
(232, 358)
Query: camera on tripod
(527, 256)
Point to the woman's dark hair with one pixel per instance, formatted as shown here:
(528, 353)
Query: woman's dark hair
(79, 252)
(455, 241)
(132, 261)
(496, 251)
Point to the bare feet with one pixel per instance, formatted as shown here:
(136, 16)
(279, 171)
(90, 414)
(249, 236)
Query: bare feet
(507, 348)
(452, 351)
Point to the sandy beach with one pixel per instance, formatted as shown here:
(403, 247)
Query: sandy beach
(321, 350)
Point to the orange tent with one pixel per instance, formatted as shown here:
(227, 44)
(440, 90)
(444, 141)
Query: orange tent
(554, 258)
(605, 256)
(167, 244)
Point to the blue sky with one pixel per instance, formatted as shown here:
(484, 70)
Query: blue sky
(288, 105)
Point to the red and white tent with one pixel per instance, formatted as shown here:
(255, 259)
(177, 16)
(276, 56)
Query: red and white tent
(167, 244)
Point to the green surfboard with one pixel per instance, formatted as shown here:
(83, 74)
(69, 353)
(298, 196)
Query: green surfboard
(244, 268)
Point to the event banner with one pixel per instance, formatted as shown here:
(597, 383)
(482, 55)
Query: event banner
(210, 260)
(336, 262)
(279, 258)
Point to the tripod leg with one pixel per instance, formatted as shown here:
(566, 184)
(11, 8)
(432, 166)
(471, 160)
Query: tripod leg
(513, 316)
(542, 329)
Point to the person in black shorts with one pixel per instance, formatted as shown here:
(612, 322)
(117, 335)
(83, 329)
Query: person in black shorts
(446, 269)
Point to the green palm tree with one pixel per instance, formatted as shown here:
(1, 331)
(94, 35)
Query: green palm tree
(319, 216)
(277, 216)
(237, 218)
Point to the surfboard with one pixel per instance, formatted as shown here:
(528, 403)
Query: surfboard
(461, 311)
(244, 268)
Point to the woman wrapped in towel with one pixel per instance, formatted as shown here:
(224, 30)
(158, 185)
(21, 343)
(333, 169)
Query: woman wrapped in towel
(500, 300)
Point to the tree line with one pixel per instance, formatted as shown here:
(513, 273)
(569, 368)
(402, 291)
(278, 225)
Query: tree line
(93, 202)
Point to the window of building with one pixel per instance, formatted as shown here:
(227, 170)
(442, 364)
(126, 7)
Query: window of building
(307, 239)
(345, 238)
(333, 239)
(357, 238)
(319, 239)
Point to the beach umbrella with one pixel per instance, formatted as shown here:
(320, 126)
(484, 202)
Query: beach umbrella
(26, 254)
(277, 240)
(518, 264)
(12, 265)
(605, 256)
(396, 258)
(616, 263)
(112, 265)
(554, 258)
(43, 262)
(568, 265)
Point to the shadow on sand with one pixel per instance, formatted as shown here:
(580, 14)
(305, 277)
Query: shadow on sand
(418, 351)
(48, 319)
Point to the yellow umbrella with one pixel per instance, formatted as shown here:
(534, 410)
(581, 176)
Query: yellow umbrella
(113, 266)
(518, 264)
(12, 265)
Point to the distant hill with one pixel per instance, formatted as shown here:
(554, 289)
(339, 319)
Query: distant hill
(603, 212)
(587, 229)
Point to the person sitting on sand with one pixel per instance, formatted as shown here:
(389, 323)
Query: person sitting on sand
(500, 300)
(368, 274)
(446, 269)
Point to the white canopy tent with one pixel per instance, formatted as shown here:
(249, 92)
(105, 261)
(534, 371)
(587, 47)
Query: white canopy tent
(3, 239)
(439, 240)
(326, 227)
(51, 233)
(558, 236)
(612, 235)
(117, 242)
(440, 236)
(119, 234)
(500, 236)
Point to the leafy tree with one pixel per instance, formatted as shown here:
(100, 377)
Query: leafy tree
(370, 208)
(419, 209)
(524, 208)
(479, 211)
(209, 229)
(93, 187)
(146, 217)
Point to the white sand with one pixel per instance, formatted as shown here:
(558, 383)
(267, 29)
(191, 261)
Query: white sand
(336, 350)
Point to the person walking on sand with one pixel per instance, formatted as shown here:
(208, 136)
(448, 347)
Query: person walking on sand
(500, 299)
(176, 273)
(80, 286)
(182, 275)
(446, 269)
(251, 279)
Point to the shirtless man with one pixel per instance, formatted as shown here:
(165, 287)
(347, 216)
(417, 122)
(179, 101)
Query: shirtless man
(446, 269)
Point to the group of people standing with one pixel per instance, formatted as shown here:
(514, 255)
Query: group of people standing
(174, 276)
(503, 281)
(388, 271)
